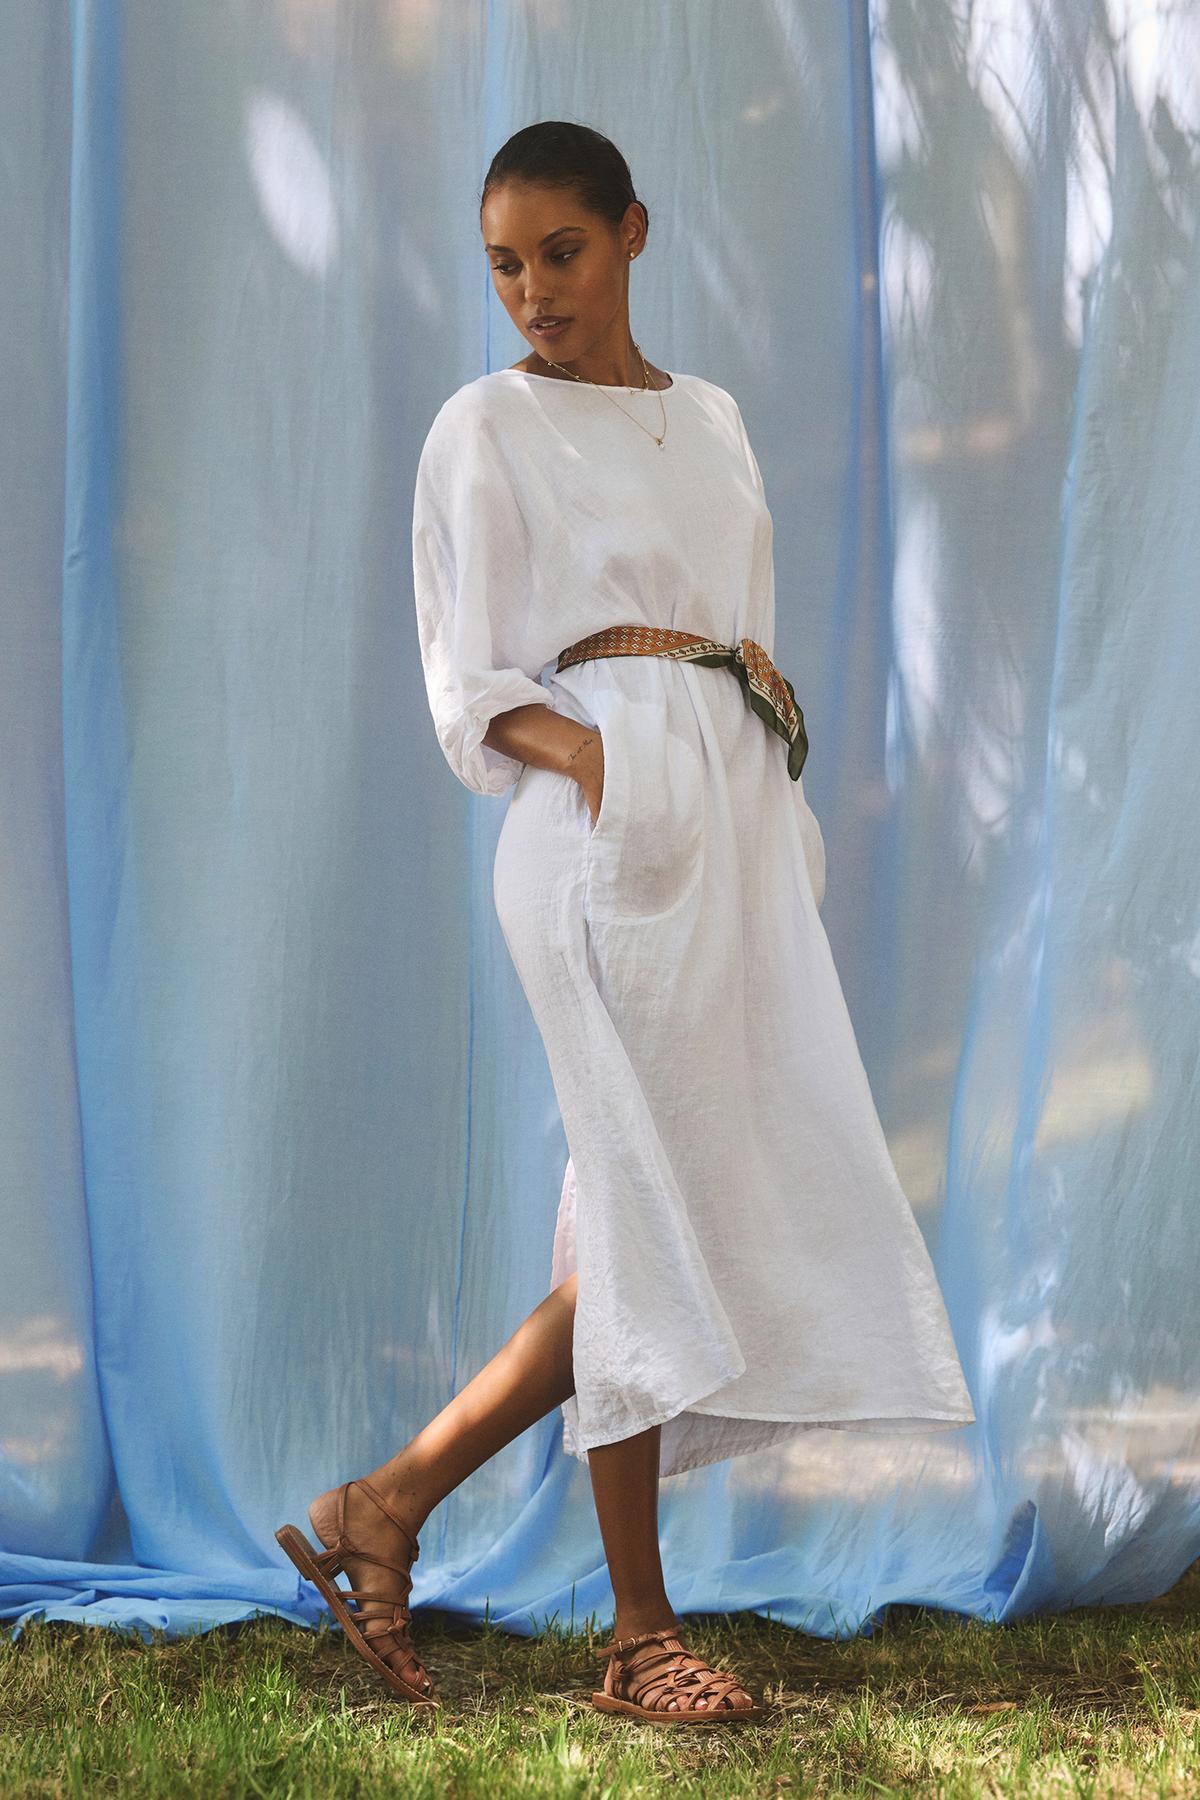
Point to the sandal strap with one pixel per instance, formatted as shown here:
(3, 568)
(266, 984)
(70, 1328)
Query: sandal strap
(401, 1657)
(370, 1597)
(618, 1645)
(380, 1619)
(403, 1649)
(392, 1621)
(381, 1503)
(332, 1561)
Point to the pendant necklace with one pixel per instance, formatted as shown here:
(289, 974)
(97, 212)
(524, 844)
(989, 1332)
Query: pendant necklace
(643, 389)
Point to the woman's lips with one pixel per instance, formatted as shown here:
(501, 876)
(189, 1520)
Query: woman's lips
(549, 331)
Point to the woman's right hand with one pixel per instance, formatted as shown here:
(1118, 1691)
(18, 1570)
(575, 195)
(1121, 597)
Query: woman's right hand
(585, 764)
(552, 740)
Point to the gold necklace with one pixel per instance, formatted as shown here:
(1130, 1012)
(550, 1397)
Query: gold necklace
(643, 389)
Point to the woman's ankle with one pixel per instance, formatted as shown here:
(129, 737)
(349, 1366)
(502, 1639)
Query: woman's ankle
(413, 1506)
(632, 1621)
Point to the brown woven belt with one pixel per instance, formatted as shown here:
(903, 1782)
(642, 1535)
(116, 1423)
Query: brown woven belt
(771, 694)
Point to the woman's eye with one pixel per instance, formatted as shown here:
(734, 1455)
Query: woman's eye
(507, 268)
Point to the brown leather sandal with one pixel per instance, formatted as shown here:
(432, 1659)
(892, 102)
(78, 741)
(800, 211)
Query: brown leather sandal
(670, 1672)
(411, 1679)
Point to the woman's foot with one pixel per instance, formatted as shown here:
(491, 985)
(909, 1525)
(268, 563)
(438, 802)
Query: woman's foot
(368, 1528)
(374, 1522)
(651, 1674)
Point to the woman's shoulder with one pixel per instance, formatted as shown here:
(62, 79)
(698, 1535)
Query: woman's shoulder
(463, 406)
(477, 441)
(487, 408)
(718, 395)
(459, 431)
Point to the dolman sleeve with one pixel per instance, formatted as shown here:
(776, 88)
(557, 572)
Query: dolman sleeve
(751, 459)
(472, 558)
(763, 569)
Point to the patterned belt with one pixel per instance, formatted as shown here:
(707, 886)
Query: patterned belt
(771, 694)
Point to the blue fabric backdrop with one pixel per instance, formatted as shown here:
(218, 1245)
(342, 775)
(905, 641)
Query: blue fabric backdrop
(279, 1153)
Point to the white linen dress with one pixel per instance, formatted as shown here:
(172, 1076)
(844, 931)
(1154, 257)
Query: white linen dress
(749, 1265)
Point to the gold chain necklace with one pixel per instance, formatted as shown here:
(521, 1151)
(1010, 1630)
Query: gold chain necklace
(643, 389)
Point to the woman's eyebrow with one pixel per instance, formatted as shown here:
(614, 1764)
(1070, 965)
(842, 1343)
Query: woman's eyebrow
(558, 230)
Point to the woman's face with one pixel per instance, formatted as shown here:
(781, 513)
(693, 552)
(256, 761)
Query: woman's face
(551, 257)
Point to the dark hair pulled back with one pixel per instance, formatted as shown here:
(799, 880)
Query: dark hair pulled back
(559, 153)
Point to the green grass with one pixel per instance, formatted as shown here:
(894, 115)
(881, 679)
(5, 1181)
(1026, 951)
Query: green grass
(1103, 1701)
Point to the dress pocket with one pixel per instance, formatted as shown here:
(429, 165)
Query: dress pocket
(645, 850)
(607, 798)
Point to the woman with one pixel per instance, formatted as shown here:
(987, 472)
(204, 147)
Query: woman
(734, 1260)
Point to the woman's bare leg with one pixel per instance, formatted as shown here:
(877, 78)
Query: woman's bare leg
(527, 1377)
(530, 1375)
(625, 1489)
